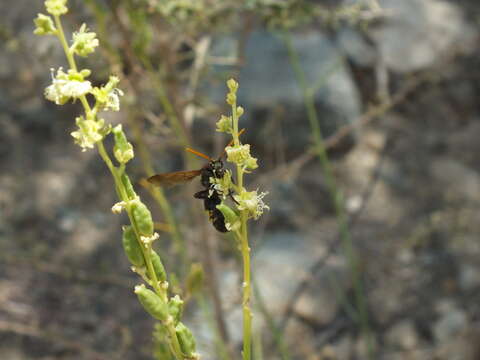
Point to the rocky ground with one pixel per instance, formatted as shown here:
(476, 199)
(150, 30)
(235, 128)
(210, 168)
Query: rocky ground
(407, 86)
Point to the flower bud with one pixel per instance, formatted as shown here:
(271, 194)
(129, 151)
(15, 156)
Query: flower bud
(56, 7)
(152, 303)
(186, 340)
(175, 308)
(44, 25)
(232, 85)
(122, 149)
(224, 124)
(132, 247)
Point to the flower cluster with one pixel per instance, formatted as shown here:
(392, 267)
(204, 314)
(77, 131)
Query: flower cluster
(73, 84)
(250, 203)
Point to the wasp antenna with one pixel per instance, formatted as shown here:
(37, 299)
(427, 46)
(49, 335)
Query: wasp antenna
(198, 153)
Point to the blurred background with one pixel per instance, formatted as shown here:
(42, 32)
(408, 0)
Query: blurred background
(369, 251)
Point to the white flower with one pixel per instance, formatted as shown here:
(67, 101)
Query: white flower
(252, 202)
(84, 42)
(66, 86)
(88, 133)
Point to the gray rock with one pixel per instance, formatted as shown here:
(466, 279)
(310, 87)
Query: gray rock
(403, 336)
(268, 83)
(419, 33)
(451, 322)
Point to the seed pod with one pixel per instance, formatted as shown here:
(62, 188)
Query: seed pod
(132, 247)
(122, 149)
(175, 308)
(186, 340)
(143, 218)
(158, 267)
(128, 186)
(152, 303)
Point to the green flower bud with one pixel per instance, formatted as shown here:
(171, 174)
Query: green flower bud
(143, 218)
(158, 266)
(56, 7)
(122, 150)
(232, 220)
(175, 308)
(128, 186)
(225, 124)
(152, 303)
(186, 340)
(194, 281)
(232, 85)
(231, 99)
(44, 25)
(132, 247)
(240, 111)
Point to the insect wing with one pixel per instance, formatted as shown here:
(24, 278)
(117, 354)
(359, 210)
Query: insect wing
(173, 178)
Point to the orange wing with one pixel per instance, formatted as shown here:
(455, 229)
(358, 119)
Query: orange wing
(173, 178)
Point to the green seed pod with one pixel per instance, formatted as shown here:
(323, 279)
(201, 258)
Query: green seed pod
(232, 220)
(122, 149)
(152, 303)
(132, 247)
(128, 186)
(143, 218)
(158, 267)
(186, 340)
(175, 308)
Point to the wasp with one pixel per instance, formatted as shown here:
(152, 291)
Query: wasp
(211, 197)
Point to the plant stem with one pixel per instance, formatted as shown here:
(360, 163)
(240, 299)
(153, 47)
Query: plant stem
(245, 249)
(337, 198)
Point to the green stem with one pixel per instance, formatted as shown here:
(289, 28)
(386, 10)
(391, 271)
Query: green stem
(245, 249)
(336, 195)
(63, 40)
